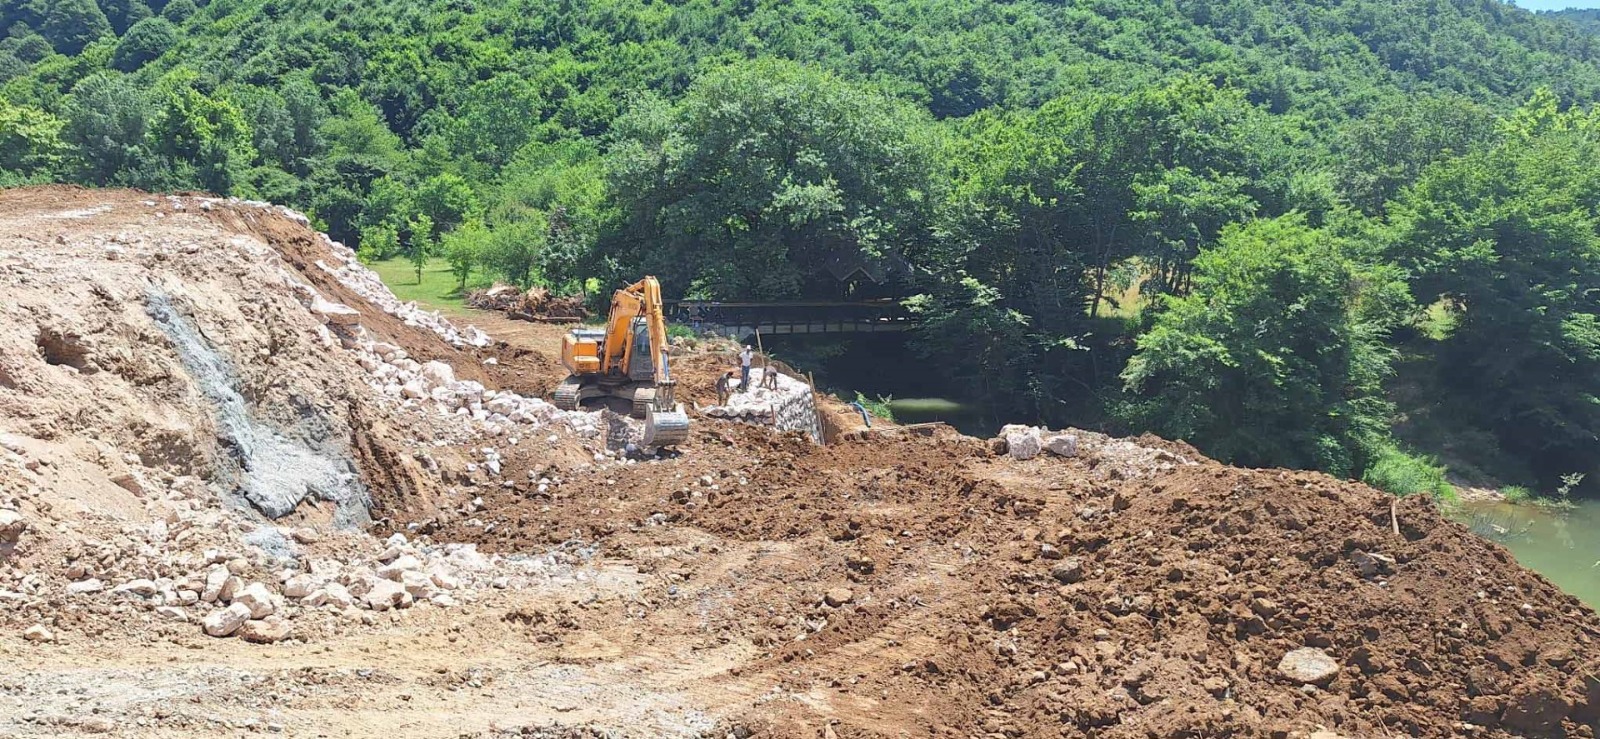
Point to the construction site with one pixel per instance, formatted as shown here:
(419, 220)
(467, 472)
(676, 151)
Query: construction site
(244, 490)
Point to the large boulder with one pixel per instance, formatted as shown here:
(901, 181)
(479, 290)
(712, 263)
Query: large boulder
(1022, 442)
(227, 620)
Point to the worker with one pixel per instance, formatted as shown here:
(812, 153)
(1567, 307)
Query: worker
(769, 376)
(724, 384)
(745, 356)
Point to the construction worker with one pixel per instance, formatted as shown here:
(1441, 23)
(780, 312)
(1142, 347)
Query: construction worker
(745, 357)
(724, 387)
(769, 376)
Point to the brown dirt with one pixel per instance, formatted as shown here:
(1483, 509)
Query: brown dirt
(1122, 593)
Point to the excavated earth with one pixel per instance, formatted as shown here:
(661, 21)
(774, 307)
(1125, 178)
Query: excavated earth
(749, 584)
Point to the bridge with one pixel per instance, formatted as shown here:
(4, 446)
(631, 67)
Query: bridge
(744, 320)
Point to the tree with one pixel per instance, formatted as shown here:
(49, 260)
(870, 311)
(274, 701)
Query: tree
(146, 40)
(1506, 240)
(107, 117)
(1276, 357)
(70, 25)
(178, 11)
(204, 132)
(420, 228)
(465, 248)
(447, 200)
(30, 141)
(763, 174)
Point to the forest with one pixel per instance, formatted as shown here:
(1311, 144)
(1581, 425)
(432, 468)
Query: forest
(1358, 236)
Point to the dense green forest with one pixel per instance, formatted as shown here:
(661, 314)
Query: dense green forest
(1335, 234)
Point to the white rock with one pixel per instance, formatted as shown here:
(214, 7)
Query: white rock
(141, 588)
(338, 314)
(12, 526)
(338, 596)
(398, 567)
(215, 579)
(38, 633)
(298, 586)
(414, 389)
(92, 585)
(438, 374)
(225, 621)
(418, 584)
(1308, 665)
(172, 612)
(266, 631)
(230, 588)
(1022, 442)
(257, 598)
(385, 594)
(1062, 445)
(445, 581)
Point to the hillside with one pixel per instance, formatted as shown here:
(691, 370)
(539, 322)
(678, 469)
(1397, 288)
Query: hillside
(1063, 193)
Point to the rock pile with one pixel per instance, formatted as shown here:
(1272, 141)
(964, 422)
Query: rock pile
(790, 407)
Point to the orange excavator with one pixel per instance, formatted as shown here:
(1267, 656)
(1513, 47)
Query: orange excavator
(627, 359)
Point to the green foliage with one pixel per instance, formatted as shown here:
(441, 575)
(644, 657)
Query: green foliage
(145, 41)
(420, 246)
(877, 407)
(70, 25)
(1517, 494)
(107, 117)
(178, 11)
(1509, 238)
(1276, 357)
(762, 174)
(30, 141)
(1393, 470)
(465, 248)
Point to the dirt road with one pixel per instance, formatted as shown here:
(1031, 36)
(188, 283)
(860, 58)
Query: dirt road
(518, 579)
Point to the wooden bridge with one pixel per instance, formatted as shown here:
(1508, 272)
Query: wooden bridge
(743, 320)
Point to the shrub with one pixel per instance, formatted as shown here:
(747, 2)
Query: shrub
(1395, 471)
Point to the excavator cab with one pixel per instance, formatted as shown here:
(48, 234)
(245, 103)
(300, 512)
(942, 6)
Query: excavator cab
(627, 360)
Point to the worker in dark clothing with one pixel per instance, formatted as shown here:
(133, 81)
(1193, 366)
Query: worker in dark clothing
(724, 387)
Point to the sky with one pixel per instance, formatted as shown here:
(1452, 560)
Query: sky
(1557, 4)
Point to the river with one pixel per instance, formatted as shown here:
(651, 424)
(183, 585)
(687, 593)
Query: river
(1562, 545)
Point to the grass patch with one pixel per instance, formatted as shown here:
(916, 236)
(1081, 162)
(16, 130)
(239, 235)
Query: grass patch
(878, 407)
(1518, 494)
(438, 288)
(1403, 474)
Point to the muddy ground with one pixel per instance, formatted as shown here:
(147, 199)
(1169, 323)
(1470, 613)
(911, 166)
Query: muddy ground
(750, 583)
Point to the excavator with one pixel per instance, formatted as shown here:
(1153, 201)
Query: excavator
(627, 359)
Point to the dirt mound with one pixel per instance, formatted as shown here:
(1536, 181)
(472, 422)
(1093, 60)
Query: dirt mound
(537, 304)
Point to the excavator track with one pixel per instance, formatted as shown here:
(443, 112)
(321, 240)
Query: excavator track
(665, 428)
(568, 394)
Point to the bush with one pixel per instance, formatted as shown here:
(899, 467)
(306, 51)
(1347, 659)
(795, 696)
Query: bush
(1397, 472)
(878, 407)
(1518, 494)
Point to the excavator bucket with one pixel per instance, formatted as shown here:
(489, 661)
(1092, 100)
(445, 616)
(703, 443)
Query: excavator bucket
(665, 428)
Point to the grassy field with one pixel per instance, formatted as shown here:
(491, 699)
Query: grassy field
(437, 291)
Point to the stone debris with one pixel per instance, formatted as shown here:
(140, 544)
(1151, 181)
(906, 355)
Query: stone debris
(267, 630)
(225, 621)
(1372, 565)
(38, 633)
(838, 597)
(1022, 442)
(257, 598)
(1308, 665)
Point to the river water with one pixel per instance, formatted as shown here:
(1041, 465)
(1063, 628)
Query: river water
(1562, 545)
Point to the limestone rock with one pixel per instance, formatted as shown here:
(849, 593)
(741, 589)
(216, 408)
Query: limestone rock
(385, 594)
(92, 585)
(257, 599)
(1062, 445)
(215, 579)
(38, 633)
(298, 586)
(1069, 571)
(225, 621)
(267, 630)
(838, 597)
(398, 567)
(12, 526)
(172, 612)
(1022, 442)
(141, 588)
(337, 314)
(1308, 665)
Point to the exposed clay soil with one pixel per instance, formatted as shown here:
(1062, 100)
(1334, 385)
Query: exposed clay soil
(753, 582)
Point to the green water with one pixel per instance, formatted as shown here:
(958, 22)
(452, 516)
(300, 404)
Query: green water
(966, 418)
(1564, 546)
